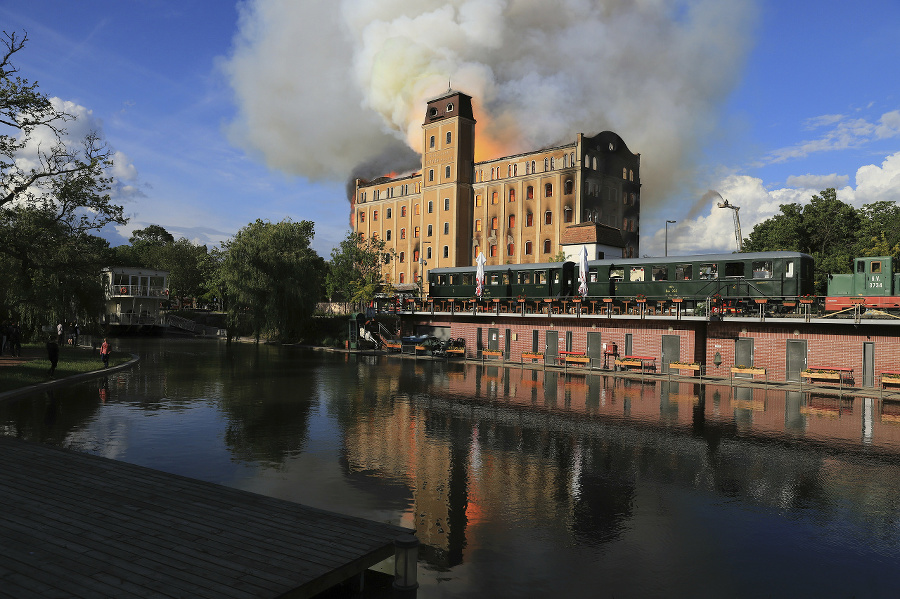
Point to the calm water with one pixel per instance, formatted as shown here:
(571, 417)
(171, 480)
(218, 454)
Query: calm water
(520, 483)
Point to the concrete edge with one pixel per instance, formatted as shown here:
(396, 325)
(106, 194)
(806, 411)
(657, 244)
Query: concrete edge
(75, 378)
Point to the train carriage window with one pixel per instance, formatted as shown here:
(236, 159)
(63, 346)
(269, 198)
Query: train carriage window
(556, 277)
(709, 271)
(542, 277)
(734, 269)
(524, 278)
(660, 273)
(467, 279)
(442, 279)
(505, 279)
(860, 266)
(762, 269)
(876, 266)
(592, 275)
(454, 279)
(495, 280)
(637, 273)
(616, 274)
(684, 272)
(789, 269)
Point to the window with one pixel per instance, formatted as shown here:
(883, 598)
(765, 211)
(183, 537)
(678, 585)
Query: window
(567, 214)
(548, 218)
(684, 272)
(527, 248)
(430, 206)
(734, 269)
(428, 253)
(478, 200)
(476, 251)
(446, 251)
(418, 210)
(431, 142)
(660, 273)
(552, 163)
(529, 193)
(762, 269)
(416, 232)
(548, 190)
(631, 175)
(508, 170)
(449, 136)
(636, 273)
(527, 168)
(402, 211)
(512, 195)
(789, 269)
(860, 266)
(374, 215)
(616, 274)
(529, 220)
(446, 228)
(494, 223)
(624, 173)
(362, 217)
(532, 167)
(546, 246)
(709, 271)
(493, 250)
(387, 235)
(495, 197)
(431, 174)
(429, 230)
(402, 278)
(446, 172)
(446, 203)
(512, 221)
(450, 107)
(402, 233)
(415, 255)
(511, 249)
(546, 164)
(388, 214)
(402, 257)
(876, 267)
(477, 225)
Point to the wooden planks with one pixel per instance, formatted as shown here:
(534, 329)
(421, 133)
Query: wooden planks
(76, 525)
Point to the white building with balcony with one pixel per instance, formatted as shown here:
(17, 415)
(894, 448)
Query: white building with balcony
(134, 298)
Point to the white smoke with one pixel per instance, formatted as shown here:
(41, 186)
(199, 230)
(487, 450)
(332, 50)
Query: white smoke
(326, 86)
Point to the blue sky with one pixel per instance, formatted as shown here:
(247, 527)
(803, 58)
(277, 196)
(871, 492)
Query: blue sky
(776, 100)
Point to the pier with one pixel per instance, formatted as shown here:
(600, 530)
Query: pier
(74, 524)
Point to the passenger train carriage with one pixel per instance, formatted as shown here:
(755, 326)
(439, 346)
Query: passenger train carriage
(737, 279)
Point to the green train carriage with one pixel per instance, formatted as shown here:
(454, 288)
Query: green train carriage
(505, 281)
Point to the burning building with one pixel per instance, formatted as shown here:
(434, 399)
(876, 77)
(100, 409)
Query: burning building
(514, 209)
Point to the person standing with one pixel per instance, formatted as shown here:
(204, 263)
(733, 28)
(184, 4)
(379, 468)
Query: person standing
(104, 353)
(52, 353)
(59, 333)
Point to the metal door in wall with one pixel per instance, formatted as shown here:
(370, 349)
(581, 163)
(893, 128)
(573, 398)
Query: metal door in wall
(595, 349)
(493, 340)
(479, 344)
(671, 351)
(551, 350)
(507, 343)
(795, 360)
(868, 373)
(629, 343)
(743, 355)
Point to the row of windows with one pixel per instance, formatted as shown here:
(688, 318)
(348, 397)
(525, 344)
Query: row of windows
(389, 192)
(529, 193)
(416, 230)
(512, 169)
(402, 256)
(762, 269)
(511, 248)
(529, 220)
(431, 140)
(431, 173)
(388, 213)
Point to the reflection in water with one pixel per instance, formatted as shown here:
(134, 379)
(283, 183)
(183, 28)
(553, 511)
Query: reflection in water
(520, 482)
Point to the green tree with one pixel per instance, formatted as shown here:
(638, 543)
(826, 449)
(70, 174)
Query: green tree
(879, 230)
(272, 277)
(355, 271)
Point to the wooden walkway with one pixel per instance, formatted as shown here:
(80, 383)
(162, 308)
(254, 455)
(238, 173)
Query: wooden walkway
(76, 525)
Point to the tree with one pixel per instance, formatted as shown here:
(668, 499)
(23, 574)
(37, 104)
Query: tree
(355, 271)
(272, 277)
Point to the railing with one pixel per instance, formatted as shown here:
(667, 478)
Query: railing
(137, 291)
(134, 319)
(193, 327)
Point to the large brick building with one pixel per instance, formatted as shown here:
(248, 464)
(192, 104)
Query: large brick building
(514, 209)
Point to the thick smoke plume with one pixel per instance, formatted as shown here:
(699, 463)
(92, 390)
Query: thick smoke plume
(324, 87)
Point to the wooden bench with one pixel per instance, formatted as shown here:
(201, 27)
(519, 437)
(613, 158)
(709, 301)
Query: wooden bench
(393, 345)
(532, 356)
(496, 354)
(636, 362)
(828, 373)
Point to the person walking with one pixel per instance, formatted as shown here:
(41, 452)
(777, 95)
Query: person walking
(52, 353)
(59, 333)
(104, 353)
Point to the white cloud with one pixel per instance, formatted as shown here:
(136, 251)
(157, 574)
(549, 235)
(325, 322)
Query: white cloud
(874, 183)
(889, 125)
(818, 181)
(844, 132)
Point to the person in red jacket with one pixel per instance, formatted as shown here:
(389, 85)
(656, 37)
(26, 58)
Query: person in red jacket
(104, 353)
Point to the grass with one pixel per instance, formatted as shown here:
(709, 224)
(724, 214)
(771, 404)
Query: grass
(34, 369)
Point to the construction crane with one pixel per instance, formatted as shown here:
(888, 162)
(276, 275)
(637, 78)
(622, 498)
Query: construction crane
(737, 222)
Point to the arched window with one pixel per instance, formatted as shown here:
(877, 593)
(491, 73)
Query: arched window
(495, 197)
(387, 235)
(429, 230)
(527, 248)
(565, 161)
(446, 251)
(567, 214)
(527, 169)
(493, 250)
(431, 174)
(494, 223)
(402, 211)
(552, 163)
(416, 232)
(447, 172)
(509, 170)
(418, 210)
(624, 173)
(548, 190)
(572, 159)
(428, 253)
(478, 201)
(570, 186)
(529, 192)
(631, 175)
(595, 163)
(492, 173)
(449, 137)
(430, 206)
(431, 142)
(402, 257)
(512, 195)
(512, 221)
(533, 167)
(548, 218)
(402, 233)
(510, 249)
(546, 164)
(416, 256)
(450, 107)
(529, 220)
(546, 246)
(515, 170)
(477, 225)
(402, 278)
(446, 228)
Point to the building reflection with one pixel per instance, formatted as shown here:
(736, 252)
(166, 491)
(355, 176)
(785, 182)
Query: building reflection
(478, 445)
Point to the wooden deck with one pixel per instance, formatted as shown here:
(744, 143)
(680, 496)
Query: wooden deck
(76, 525)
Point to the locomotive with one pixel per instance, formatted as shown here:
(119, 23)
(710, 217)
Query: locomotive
(735, 279)
(872, 284)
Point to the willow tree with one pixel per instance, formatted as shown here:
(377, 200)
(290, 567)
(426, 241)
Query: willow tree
(272, 278)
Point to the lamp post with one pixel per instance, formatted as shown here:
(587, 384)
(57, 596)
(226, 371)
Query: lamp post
(667, 234)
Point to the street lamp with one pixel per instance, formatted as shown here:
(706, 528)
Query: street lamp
(667, 235)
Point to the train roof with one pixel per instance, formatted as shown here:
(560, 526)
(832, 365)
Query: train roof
(700, 258)
(497, 267)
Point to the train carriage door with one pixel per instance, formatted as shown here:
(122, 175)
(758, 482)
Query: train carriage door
(743, 355)
(595, 349)
(671, 351)
(795, 360)
(868, 364)
(551, 351)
